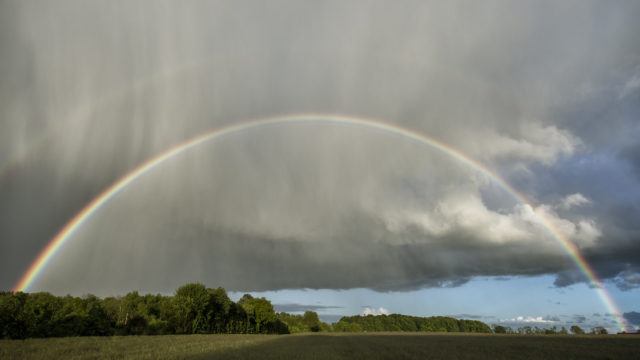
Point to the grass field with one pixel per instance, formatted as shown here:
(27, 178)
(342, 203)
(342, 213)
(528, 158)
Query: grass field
(331, 346)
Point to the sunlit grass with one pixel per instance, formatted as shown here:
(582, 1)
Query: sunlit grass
(130, 347)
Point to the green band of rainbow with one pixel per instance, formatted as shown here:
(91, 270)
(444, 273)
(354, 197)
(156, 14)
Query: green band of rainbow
(68, 230)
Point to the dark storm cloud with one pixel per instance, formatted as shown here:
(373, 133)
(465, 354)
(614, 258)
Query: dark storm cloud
(632, 317)
(280, 263)
(545, 93)
(628, 279)
(631, 154)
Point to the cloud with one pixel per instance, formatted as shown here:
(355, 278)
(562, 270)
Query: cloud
(573, 200)
(331, 206)
(579, 319)
(561, 320)
(530, 320)
(628, 279)
(467, 212)
(631, 155)
(631, 86)
(375, 312)
(632, 317)
(535, 143)
(303, 307)
(469, 316)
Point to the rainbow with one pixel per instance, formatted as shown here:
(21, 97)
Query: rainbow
(57, 242)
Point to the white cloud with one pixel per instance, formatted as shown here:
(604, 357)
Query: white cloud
(583, 232)
(465, 212)
(535, 143)
(455, 212)
(375, 312)
(529, 320)
(573, 200)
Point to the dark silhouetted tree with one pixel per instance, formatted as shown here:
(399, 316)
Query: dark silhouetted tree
(575, 329)
(498, 329)
(599, 330)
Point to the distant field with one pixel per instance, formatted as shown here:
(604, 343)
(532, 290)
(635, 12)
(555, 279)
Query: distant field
(327, 346)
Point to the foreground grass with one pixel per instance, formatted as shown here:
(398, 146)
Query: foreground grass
(126, 347)
(327, 346)
(438, 346)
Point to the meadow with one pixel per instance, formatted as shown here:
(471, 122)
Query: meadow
(326, 346)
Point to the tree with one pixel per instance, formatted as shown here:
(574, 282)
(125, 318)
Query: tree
(191, 309)
(396, 322)
(259, 312)
(12, 322)
(96, 321)
(238, 320)
(219, 307)
(577, 330)
(599, 330)
(499, 329)
(127, 314)
(311, 321)
(38, 313)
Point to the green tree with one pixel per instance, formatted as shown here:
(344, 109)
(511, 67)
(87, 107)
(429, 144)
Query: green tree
(498, 329)
(259, 312)
(311, 321)
(238, 321)
(396, 322)
(220, 310)
(12, 322)
(575, 329)
(96, 321)
(127, 314)
(191, 307)
(38, 313)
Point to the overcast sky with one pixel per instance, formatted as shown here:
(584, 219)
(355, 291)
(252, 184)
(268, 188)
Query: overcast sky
(546, 94)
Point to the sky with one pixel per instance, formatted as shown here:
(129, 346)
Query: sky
(340, 218)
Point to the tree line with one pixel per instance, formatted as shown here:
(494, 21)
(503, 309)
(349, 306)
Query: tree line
(193, 309)
(196, 309)
(397, 322)
(534, 330)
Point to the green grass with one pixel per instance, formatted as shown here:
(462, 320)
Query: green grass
(327, 346)
(127, 347)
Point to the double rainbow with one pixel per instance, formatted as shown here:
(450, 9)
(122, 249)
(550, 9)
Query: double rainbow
(56, 243)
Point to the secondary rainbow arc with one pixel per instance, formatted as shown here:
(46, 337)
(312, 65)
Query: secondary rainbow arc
(56, 243)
